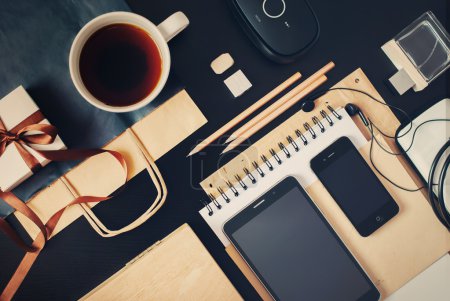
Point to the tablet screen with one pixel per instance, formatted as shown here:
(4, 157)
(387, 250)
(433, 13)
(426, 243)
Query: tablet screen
(295, 252)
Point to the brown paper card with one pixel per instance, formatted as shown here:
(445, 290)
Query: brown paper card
(395, 253)
(177, 268)
(171, 123)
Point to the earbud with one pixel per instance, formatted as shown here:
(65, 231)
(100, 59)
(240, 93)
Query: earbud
(353, 109)
(308, 106)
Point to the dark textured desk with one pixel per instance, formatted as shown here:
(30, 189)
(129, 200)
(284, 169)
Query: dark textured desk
(77, 260)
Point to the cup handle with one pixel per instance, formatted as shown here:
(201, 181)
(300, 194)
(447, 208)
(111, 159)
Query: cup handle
(173, 25)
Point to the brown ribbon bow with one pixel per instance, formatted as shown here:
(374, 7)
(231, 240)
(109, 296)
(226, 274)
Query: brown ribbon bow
(30, 133)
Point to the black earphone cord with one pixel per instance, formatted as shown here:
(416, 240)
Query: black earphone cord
(373, 137)
(438, 203)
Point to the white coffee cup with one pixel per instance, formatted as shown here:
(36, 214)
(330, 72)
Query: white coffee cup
(160, 34)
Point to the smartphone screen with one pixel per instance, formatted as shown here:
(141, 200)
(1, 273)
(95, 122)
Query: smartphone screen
(354, 186)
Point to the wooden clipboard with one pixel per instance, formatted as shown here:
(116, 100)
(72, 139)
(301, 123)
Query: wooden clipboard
(398, 251)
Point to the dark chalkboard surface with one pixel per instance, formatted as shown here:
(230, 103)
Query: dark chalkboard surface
(77, 260)
(35, 39)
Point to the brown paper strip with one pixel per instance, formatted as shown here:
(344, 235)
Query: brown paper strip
(173, 122)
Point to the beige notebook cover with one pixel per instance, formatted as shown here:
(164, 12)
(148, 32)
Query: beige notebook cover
(176, 268)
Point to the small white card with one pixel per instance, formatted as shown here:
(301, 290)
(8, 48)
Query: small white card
(238, 83)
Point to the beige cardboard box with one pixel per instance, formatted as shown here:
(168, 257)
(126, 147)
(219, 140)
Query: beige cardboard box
(14, 109)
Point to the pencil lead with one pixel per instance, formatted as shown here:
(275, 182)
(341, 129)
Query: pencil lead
(194, 151)
(231, 138)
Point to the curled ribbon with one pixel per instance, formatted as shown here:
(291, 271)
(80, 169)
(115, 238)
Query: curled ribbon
(30, 133)
(46, 230)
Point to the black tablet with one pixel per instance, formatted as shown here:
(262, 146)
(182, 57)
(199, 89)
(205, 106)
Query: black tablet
(294, 252)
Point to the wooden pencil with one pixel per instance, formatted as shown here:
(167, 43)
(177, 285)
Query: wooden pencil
(269, 96)
(281, 101)
(275, 114)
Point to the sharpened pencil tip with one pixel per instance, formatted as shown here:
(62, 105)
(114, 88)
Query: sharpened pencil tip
(227, 149)
(194, 151)
(231, 138)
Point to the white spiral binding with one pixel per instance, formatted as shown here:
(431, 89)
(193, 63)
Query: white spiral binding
(266, 161)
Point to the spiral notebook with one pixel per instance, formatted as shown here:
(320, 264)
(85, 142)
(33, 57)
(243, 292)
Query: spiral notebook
(288, 159)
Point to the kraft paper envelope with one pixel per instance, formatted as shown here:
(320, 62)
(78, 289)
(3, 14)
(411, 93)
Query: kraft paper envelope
(101, 175)
(399, 250)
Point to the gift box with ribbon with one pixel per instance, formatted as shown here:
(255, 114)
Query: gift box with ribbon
(24, 134)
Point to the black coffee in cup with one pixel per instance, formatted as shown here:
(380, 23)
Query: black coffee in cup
(120, 64)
